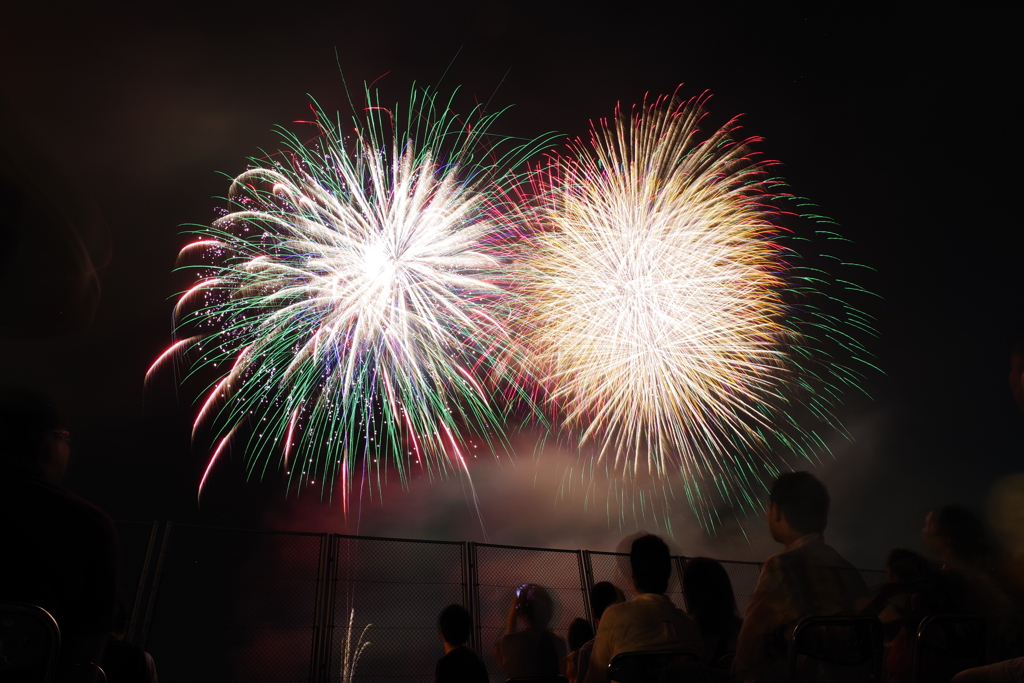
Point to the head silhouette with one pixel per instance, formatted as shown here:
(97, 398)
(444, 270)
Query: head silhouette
(534, 605)
(651, 563)
(580, 631)
(602, 595)
(454, 623)
(31, 438)
(956, 534)
(799, 505)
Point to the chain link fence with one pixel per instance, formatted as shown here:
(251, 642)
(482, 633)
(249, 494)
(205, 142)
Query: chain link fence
(231, 605)
(501, 569)
(388, 593)
(218, 605)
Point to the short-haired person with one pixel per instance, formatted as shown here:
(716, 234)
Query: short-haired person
(56, 550)
(938, 536)
(647, 622)
(459, 664)
(533, 651)
(602, 595)
(807, 578)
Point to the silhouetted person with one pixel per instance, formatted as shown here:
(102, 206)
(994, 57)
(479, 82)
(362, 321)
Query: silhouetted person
(957, 536)
(533, 650)
(58, 551)
(125, 662)
(580, 633)
(1010, 568)
(602, 595)
(712, 604)
(647, 622)
(906, 573)
(911, 582)
(459, 664)
(807, 578)
(970, 586)
(968, 555)
(972, 581)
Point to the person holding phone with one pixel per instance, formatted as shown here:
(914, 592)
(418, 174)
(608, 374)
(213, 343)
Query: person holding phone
(532, 650)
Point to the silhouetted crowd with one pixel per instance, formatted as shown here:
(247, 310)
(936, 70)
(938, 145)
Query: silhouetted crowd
(60, 553)
(974, 582)
(710, 642)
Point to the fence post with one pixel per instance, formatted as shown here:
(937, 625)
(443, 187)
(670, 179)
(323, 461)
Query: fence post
(154, 590)
(316, 656)
(680, 562)
(586, 581)
(330, 605)
(467, 591)
(140, 587)
(473, 590)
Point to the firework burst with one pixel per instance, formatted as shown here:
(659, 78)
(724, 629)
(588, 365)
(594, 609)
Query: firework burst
(353, 304)
(668, 323)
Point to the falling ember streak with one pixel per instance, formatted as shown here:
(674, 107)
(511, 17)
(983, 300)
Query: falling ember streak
(469, 478)
(206, 406)
(415, 442)
(476, 385)
(192, 290)
(199, 243)
(213, 458)
(291, 435)
(222, 384)
(344, 487)
(172, 349)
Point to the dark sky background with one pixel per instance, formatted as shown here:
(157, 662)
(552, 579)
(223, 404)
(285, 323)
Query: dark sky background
(897, 123)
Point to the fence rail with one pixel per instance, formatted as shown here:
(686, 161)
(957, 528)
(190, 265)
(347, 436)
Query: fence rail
(214, 605)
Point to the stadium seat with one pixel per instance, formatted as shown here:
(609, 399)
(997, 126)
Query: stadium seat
(29, 643)
(837, 649)
(948, 644)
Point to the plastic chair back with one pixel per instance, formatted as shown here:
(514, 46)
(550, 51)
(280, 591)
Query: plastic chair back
(948, 644)
(836, 649)
(643, 667)
(29, 644)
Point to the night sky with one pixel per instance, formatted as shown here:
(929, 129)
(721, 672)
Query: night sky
(896, 123)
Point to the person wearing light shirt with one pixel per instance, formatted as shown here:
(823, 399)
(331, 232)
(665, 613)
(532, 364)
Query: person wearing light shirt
(808, 578)
(647, 622)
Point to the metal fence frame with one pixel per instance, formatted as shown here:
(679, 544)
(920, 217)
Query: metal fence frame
(154, 543)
